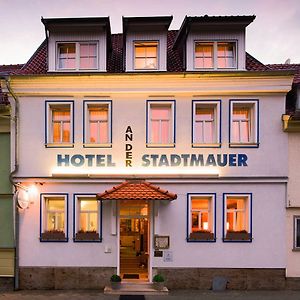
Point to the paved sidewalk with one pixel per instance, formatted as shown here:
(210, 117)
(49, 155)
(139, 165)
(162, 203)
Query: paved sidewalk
(173, 295)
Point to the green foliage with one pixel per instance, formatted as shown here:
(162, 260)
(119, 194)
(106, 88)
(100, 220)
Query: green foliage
(115, 278)
(158, 278)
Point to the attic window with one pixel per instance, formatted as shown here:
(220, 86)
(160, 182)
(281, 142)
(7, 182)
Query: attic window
(146, 55)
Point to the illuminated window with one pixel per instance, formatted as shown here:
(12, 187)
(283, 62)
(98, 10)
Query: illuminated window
(161, 123)
(206, 123)
(59, 123)
(244, 123)
(146, 55)
(77, 56)
(98, 123)
(201, 217)
(237, 217)
(88, 220)
(53, 217)
(215, 55)
(297, 232)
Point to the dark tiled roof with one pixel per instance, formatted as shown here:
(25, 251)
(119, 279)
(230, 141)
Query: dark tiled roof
(136, 190)
(37, 64)
(293, 67)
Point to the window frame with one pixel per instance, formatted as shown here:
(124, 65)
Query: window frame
(77, 55)
(217, 104)
(149, 144)
(134, 42)
(213, 197)
(43, 198)
(76, 216)
(86, 144)
(48, 124)
(215, 57)
(295, 247)
(249, 197)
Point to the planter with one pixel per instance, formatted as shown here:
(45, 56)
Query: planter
(53, 236)
(201, 236)
(115, 285)
(238, 236)
(87, 236)
(158, 285)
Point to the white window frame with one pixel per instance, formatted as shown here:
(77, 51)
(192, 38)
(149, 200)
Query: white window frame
(77, 211)
(86, 138)
(296, 247)
(210, 210)
(157, 54)
(247, 210)
(44, 211)
(215, 54)
(77, 55)
(253, 105)
(172, 120)
(216, 105)
(49, 106)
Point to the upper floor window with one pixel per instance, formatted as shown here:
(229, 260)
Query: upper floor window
(237, 217)
(297, 232)
(77, 56)
(244, 123)
(59, 119)
(206, 123)
(161, 126)
(215, 55)
(146, 55)
(97, 123)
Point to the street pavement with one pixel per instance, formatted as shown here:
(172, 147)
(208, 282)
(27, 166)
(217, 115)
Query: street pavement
(173, 295)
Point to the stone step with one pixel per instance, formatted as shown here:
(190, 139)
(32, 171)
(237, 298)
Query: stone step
(141, 288)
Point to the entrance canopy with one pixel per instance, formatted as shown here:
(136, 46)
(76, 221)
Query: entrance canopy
(136, 190)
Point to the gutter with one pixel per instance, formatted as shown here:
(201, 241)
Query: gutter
(11, 178)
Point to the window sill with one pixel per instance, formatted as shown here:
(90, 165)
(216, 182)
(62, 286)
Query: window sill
(237, 237)
(201, 237)
(296, 249)
(215, 145)
(87, 237)
(150, 145)
(243, 145)
(59, 145)
(87, 145)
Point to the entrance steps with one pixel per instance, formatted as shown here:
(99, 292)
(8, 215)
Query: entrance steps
(134, 288)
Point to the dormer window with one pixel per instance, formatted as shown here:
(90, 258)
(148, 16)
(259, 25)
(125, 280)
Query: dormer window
(215, 55)
(77, 56)
(146, 55)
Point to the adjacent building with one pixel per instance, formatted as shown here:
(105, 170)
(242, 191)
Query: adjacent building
(151, 151)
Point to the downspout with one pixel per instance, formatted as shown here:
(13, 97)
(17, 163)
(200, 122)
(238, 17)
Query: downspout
(11, 179)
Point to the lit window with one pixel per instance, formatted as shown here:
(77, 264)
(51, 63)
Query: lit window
(161, 123)
(60, 124)
(206, 120)
(204, 55)
(244, 123)
(54, 217)
(98, 124)
(77, 56)
(297, 232)
(237, 217)
(215, 55)
(201, 221)
(146, 55)
(88, 225)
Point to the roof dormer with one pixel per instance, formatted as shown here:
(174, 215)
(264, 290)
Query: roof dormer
(213, 43)
(145, 43)
(78, 44)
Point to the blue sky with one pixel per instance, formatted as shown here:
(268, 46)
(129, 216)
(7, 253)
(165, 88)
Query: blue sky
(273, 37)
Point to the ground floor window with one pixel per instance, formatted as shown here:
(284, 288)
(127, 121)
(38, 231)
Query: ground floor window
(237, 217)
(297, 232)
(87, 218)
(54, 217)
(201, 217)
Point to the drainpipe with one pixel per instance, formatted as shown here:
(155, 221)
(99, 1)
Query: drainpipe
(11, 179)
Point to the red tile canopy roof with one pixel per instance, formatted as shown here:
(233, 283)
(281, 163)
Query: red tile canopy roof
(136, 190)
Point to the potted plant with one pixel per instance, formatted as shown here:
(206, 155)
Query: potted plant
(158, 282)
(87, 235)
(241, 235)
(201, 235)
(115, 281)
(53, 235)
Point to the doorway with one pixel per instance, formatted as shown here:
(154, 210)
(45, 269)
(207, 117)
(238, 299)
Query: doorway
(134, 239)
